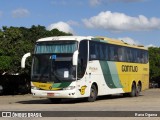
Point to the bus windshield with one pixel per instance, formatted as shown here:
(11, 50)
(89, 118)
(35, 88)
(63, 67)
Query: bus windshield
(52, 62)
(56, 47)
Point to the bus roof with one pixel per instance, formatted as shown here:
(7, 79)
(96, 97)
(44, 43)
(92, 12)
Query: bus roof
(120, 42)
(79, 38)
(57, 38)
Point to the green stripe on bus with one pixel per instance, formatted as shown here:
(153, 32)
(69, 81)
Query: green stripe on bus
(65, 84)
(107, 74)
(61, 85)
(110, 74)
(115, 77)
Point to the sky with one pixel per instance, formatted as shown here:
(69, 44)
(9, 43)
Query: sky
(134, 21)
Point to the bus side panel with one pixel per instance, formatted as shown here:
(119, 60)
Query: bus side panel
(112, 77)
(102, 73)
(95, 73)
(130, 72)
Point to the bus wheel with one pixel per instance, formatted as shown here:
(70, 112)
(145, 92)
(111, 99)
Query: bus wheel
(55, 100)
(138, 89)
(93, 94)
(133, 91)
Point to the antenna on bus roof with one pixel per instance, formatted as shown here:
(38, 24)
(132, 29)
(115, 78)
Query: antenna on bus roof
(124, 42)
(132, 44)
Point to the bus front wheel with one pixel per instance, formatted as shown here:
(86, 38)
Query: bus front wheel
(93, 94)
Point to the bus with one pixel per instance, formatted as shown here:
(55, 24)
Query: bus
(87, 67)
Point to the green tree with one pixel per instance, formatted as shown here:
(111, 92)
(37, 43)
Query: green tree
(154, 59)
(16, 41)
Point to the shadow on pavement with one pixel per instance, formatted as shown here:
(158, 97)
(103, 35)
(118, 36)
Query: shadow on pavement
(73, 101)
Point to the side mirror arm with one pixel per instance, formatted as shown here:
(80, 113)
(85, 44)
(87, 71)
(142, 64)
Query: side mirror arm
(75, 58)
(23, 60)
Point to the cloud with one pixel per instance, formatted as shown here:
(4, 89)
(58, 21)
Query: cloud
(121, 22)
(61, 26)
(20, 13)
(129, 40)
(73, 23)
(151, 45)
(95, 2)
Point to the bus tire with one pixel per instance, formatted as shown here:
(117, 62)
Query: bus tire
(138, 89)
(133, 90)
(55, 100)
(93, 94)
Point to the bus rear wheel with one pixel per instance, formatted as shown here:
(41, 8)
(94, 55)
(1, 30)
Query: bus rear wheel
(138, 89)
(133, 90)
(93, 94)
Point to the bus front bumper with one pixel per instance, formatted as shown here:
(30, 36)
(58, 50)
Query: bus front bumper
(54, 94)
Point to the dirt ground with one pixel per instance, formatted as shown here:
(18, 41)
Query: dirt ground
(149, 100)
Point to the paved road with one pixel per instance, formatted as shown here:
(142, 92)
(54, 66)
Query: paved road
(149, 100)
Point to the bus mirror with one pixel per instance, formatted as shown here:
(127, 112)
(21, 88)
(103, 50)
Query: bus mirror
(24, 59)
(75, 57)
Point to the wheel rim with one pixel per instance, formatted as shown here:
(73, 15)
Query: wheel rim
(133, 90)
(138, 90)
(93, 94)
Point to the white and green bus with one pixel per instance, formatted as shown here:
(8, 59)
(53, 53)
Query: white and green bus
(87, 67)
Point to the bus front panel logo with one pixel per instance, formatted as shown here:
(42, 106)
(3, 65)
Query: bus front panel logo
(82, 90)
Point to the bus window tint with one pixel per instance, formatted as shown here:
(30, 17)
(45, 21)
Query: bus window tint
(92, 54)
(121, 54)
(101, 54)
(129, 55)
(113, 53)
(103, 51)
(98, 51)
(82, 58)
(94, 51)
(109, 52)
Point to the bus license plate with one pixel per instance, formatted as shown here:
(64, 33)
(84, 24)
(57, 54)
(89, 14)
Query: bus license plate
(50, 94)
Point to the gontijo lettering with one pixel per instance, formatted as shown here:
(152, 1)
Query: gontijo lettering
(129, 68)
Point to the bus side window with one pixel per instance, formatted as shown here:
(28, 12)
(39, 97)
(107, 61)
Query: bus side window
(92, 51)
(82, 58)
(97, 51)
(101, 53)
(129, 55)
(111, 53)
(120, 54)
(139, 56)
(106, 52)
(145, 57)
(135, 55)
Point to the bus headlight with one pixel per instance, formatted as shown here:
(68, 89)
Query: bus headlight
(69, 88)
(35, 88)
